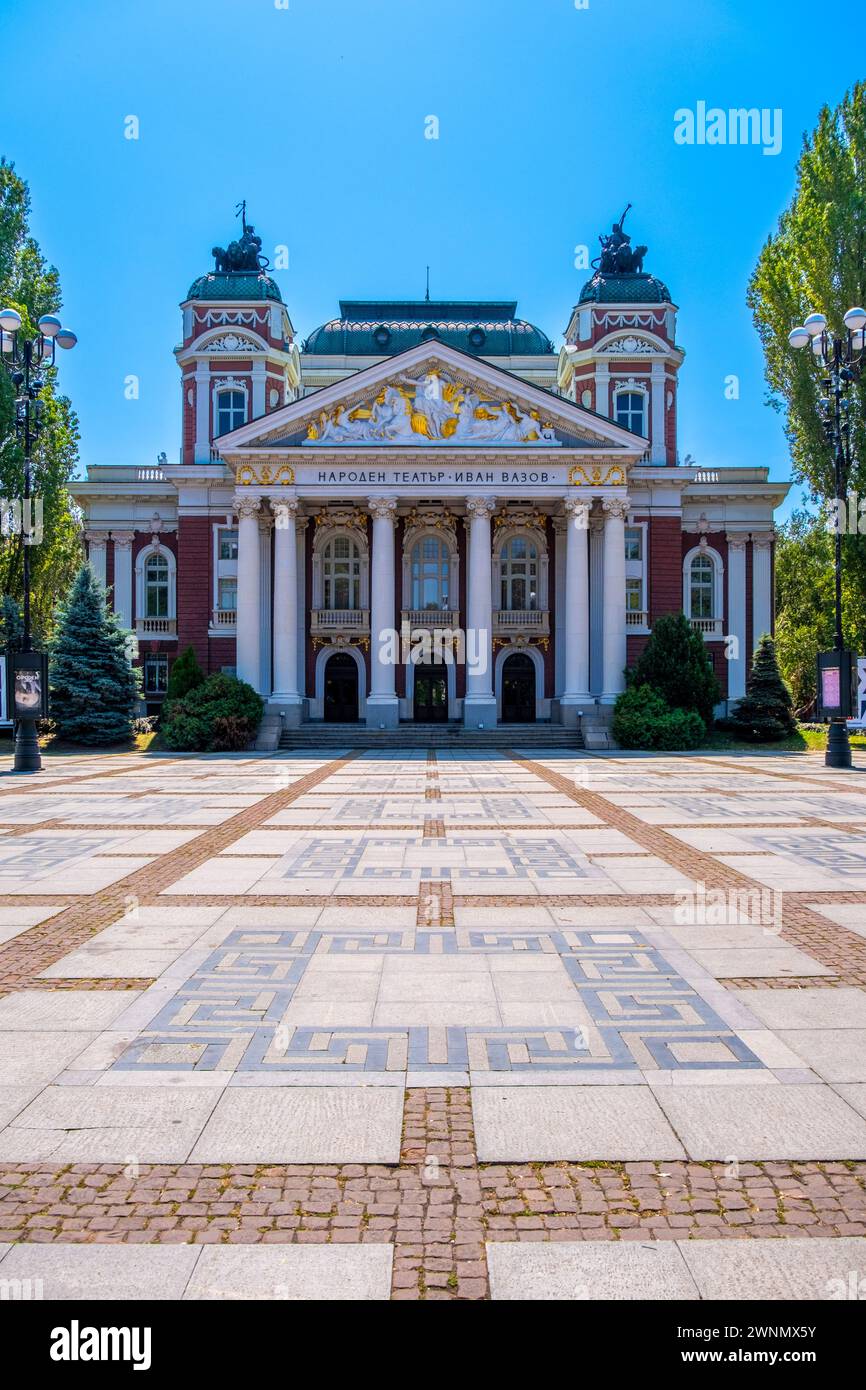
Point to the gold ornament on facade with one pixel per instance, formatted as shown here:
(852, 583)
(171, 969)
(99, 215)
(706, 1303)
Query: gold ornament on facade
(593, 475)
(265, 475)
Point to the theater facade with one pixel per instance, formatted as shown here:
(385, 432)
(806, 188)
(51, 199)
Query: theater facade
(426, 512)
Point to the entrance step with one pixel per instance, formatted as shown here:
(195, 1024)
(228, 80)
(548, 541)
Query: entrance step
(440, 735)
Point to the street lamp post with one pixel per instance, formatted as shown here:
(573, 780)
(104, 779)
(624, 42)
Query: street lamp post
(26, 359)
(840, 360)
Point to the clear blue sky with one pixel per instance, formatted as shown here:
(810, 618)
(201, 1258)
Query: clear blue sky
(551, 119)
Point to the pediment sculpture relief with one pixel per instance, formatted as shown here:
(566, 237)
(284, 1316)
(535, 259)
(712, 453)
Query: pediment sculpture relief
(431, 410)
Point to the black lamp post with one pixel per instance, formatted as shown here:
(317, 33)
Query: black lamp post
(26, 359)
(840, 360)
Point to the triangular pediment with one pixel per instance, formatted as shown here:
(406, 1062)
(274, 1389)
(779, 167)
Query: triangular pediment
(432, 395)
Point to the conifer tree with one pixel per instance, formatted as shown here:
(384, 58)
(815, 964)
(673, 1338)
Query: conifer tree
(11, 625)
(764, 714)
(185, 675)
(94, 688)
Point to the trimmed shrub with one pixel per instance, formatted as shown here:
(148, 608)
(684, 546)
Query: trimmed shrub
(765, 714)
(676, 664)
(642, 719)
(221, 714)
(184, 676)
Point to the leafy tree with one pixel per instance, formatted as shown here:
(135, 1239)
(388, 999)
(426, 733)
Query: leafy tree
(805, 603)
(33, 288)
(675, 663)
(220, 714)
(185, 675)
(764, 714)
(94, 688)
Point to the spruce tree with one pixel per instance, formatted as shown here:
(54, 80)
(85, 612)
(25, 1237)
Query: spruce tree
(11, 625)
(185, 675)
(94, 688)
(765, 713)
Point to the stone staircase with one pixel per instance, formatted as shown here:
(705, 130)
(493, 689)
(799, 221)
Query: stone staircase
(450, 735)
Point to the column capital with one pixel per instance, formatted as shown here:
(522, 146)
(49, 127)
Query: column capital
(480, 507)
(736, 539)
(96, 538)
(577, 512)
(763, 539)
(285, 510)
(383, 508)
(616, 507)
(245, 505)
(123, 539)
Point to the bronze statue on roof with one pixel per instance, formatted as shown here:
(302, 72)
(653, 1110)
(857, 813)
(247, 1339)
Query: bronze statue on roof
(618, 256)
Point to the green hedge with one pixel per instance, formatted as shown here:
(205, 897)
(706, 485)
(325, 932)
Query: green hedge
(642, 719)
(220, 715)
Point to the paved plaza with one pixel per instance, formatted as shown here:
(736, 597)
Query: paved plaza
(433, 1024)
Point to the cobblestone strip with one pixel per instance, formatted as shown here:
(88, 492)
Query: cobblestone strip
(29, 954)
(831, 945)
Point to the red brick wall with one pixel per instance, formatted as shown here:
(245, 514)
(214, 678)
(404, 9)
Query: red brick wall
(665, 566)
(194, 559)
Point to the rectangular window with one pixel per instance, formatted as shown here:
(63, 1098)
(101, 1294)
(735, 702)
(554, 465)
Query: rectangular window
(634, 595)
(633, 543)
(228, 595)
(228, 545)
(155, 675)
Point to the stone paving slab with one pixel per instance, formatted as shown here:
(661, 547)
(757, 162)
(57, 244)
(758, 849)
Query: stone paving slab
(94, 1124)
(331, 1273)
(97, 1272)
(566, 1272)
(37, 1009)
(799, 1270)
(807, 1008)
(303, 1125)
(763, 1122)
(580, 1123)
(836, 1054)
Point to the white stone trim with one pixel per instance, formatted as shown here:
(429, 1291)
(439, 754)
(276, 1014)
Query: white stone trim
(317, 704)
(141, 560)
(718, 581)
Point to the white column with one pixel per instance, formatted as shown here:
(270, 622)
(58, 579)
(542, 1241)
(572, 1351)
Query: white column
(249, 596)
(303, 603)
(383, 708)
(260, 376)
(602, 389)
(738, 658)
(286, 608)
(762, 584)
(576, 693)
(658, 452)
(96, 543)
(596, 602)
(266, 523)
(479, 705)
(123, 575)
(614, 644)
(559, 530)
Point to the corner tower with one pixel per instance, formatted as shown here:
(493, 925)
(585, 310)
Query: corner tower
(238, 357)
(620, 356)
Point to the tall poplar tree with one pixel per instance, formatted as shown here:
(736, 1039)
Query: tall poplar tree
(32, 287)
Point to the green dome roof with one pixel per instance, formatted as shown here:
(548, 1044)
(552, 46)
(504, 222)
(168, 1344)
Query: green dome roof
(235, 284)
(382, 328)
(625, 288)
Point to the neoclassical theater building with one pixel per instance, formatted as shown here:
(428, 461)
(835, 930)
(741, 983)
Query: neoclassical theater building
(424, 511)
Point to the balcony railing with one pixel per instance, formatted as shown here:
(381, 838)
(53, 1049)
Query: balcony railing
(710, 627)
(429, 618)
(635, 618)
(224, 617)
(340, 620)
(156, 627)
(535, 620)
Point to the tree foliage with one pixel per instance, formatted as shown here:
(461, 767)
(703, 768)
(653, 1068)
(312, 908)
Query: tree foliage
(642, 719)
(32, 287)
(222, 713)
(764, 714)
(94, 688)
(675, 663)
(185, 675)
(816, 261)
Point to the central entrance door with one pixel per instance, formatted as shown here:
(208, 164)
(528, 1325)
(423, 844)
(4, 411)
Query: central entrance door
(431, 694)
(518, 689)
(341, 689)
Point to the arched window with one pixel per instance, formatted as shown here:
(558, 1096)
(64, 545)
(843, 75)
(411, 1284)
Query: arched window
(231, 411)
(341, 573)
(156, 587)
(518, 569)
(702, 587)
(630, 408)
(430, 566)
